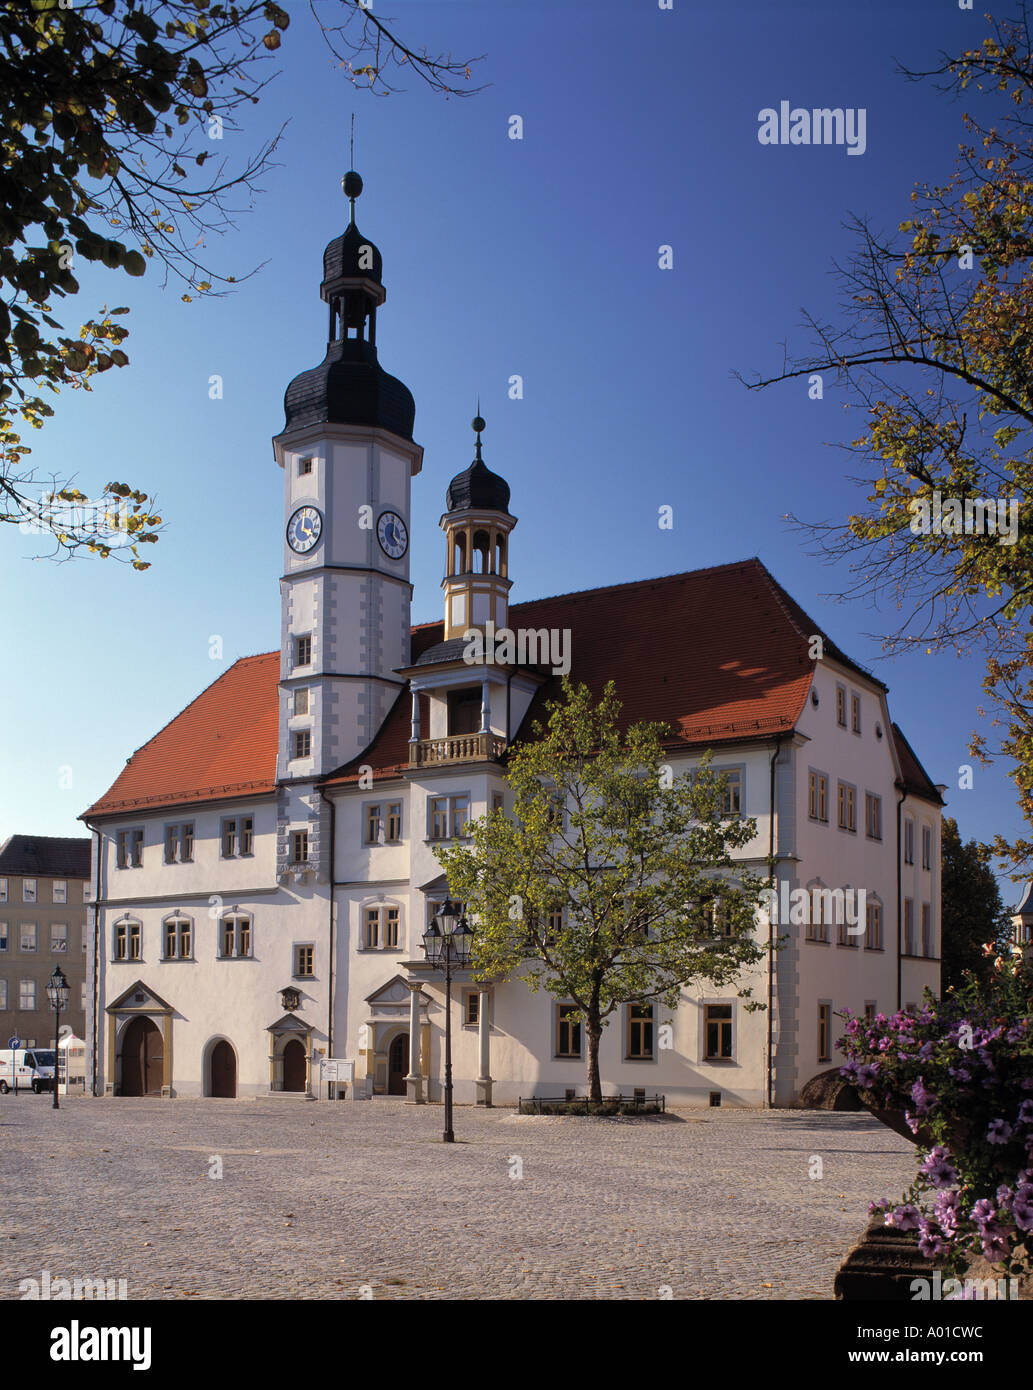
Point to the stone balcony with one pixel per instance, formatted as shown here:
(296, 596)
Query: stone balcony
(457, 748)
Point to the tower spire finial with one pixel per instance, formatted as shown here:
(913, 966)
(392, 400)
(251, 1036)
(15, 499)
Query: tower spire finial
(351, 183)
(478, 424)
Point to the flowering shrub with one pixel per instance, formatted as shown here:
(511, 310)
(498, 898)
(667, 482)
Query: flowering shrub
(961, 1070)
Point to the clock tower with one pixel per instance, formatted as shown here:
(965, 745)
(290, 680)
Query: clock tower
(348, 456)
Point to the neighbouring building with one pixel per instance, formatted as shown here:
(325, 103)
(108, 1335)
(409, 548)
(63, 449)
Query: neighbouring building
(264, 867)
(44, 882)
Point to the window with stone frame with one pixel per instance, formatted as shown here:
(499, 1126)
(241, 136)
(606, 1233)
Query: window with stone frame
(304, 961)
(179, 843)
(824, 1032)
(568, 1031)
(299, 847)
(58, 937)
(818, 796)
(847, 797)
(639, 1031)
(471, 1007)
(717, 1029)
(28, 890)
(873, 926)
(302, 743)
(27, 995)
(29, 937)
(841, 706)
(178, 938)
(235, 937)
(448, 816)
(371, 937)
(60, 890)
(731, 796)
(872, 816)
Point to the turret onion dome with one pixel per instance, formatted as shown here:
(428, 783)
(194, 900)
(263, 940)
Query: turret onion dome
(349, 387)
(477, 487)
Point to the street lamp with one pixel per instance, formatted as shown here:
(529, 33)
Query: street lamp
(57, 993)
(447, 943)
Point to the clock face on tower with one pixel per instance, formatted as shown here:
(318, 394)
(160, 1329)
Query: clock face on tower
(304, 529)
(392, 535)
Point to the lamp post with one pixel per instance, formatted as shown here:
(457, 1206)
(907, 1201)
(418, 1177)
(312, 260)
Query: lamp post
(447, 943)
(57, 993)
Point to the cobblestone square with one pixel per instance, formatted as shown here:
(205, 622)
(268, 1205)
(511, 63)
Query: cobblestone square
(352, 1200)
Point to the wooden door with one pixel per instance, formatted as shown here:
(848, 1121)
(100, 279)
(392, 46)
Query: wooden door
(398, 1065)
(142, 1059)
(224, 1070)
(294, 1066)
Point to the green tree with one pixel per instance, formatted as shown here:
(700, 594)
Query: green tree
(973, 915)
(614, 881)
(111, 153)
(934, 343)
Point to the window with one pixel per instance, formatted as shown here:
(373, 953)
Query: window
(817, 926)
(229, 839)
(927, 930)
(304, 968)
(3, 890)
(927, 847)
(235, 942)
(120, 941)
(873, 927)
(178, 938)
(383, 823)
(28, 936)
(82, 996)
(448, 816)
(824, 1032)
(299, 847)
(568, 1031)
(909, 842)
(869, 1011)
(135, 941)
(28, 890)
(58, 937)
(731, 797)
(304, 466)
(60, 890)
(818, 796)
(3, 994)
(855, 713)
(640, 1031)
(554, 925)
(3, 936)
(301, 701)
(498, 801)
(372, 937)
(247, 835)
(873, 816)
(27, 995)
(909, 927)
(303, 651)
(841, 706)
(302, 743)
(848, 935)
(847, 807)
(721, 917)
(391, 927)
(129, 849)
(717, 1019)
(471, 1008)
(179, 843)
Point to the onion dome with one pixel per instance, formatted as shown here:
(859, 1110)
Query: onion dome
(349, 387)
(477, 487)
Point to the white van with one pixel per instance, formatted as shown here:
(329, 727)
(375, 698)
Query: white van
(33, 1067)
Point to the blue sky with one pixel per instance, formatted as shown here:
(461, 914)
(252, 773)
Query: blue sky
(535, 257)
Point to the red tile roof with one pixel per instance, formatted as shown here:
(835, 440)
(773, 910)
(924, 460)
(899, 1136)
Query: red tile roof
(721, 655)
(223, 745)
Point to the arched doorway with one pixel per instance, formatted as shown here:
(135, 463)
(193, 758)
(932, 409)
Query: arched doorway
(142, 1059)
(294, 1066)
(398, 1065)
(223, 1065)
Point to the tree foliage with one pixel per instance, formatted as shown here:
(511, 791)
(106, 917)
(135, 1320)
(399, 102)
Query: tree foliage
(934, 341)
(972, 914)
(613, 882)
(113, 114)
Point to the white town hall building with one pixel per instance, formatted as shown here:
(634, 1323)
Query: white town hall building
(264, 869)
